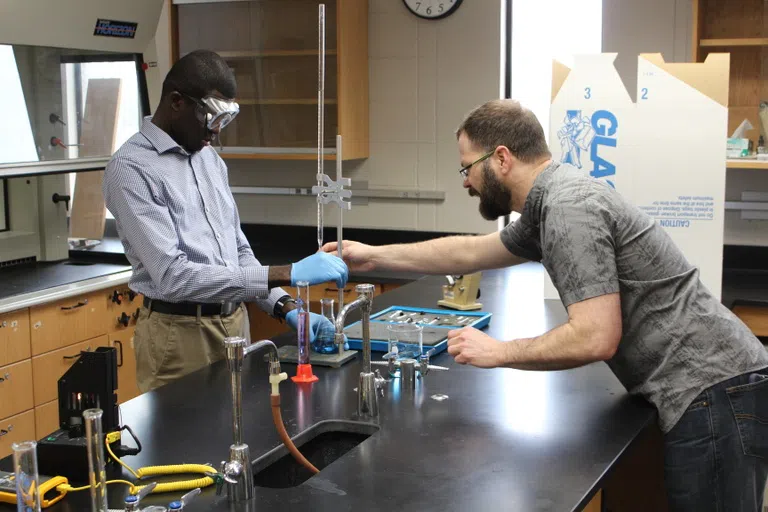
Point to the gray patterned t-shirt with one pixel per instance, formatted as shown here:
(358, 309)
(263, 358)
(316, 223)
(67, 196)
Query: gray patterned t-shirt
(678, 339)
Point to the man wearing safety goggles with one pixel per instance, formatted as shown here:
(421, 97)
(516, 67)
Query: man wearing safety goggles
(169, 193)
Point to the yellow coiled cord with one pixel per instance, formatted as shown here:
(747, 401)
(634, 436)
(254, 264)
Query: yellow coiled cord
(177, 469)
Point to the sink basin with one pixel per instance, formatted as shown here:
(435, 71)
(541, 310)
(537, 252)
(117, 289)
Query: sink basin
(321, 444)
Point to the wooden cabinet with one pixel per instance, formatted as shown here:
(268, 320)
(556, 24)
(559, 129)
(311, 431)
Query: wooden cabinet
(47, 418)
(126, 364)
(48, 368)
(15, 388)
(15, 429)
(14, 336)
(272, 47)
(738, 28)
(756, 318)
(67, 321)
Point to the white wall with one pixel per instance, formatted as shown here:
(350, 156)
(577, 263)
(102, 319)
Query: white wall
(651, 26)
(425, 76)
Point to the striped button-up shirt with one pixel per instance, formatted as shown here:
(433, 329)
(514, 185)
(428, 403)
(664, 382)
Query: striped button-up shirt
(179, 224)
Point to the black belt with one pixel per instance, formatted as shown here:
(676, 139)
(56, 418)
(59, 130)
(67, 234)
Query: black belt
(191, 308)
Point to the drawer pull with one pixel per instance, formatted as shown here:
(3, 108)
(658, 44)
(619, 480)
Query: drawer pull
(6, 431)
(78, 305)
(5, 377)
(120, 344)
(4, 324)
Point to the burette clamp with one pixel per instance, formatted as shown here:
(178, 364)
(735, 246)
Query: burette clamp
(334, 192)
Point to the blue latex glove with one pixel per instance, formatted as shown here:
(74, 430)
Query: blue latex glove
(321, 267)
(321, 332)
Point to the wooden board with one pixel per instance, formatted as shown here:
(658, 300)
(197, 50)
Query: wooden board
(352, 65)
(728, 19)
(99, 130)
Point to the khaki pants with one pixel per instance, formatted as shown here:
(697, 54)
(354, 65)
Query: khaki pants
(171, 346)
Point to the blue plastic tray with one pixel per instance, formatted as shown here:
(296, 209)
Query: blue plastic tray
(381, 344)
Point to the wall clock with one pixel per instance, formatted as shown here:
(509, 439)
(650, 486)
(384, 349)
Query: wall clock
(432, 9)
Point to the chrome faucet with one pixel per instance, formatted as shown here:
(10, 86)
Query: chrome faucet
(237, 472)
(370, 383)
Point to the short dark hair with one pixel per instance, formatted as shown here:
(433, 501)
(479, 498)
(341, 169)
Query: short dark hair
(505, 122)
(198, 73)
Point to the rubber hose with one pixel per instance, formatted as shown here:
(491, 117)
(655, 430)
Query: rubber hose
(277, 417)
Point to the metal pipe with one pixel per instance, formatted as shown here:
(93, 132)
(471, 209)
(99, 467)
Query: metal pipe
(340, 226)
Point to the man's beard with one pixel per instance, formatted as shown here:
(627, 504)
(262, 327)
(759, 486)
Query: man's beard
(496, 198)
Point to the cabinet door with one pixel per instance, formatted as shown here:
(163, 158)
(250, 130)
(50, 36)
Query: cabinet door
(15, 430)
(48, 368)
(14, 336)
(272, 48)
(47, 419)
(15, 388)
(68, 321)
(126, 365)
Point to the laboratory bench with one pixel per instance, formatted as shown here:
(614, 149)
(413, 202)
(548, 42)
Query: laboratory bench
(466, 439)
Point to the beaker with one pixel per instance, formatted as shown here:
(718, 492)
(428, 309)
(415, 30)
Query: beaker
(27, 479)
(97, 479)
(302, 325)
(325, 341)
(405, 342)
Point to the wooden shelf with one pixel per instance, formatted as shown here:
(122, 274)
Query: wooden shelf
(249, 54)
(273, 156)
(288, 101)
(747, 164)
(739, 41)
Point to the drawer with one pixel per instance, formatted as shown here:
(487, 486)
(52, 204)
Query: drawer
(48, 368)
(123, 306)
(46, 419)
(14, 336)
(126, 364)
(68, 321)
(16, 388)
(756, 318)
(15, 430)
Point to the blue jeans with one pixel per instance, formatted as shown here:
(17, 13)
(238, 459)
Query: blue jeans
(716, 456)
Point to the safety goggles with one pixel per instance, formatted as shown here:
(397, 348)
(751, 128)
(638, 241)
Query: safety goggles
(215, 112)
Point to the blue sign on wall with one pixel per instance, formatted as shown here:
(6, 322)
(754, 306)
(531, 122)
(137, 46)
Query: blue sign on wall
(112, 28)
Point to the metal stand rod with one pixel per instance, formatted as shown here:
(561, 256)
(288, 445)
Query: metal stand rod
(340, 227)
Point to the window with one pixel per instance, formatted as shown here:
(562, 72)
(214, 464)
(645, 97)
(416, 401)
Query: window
(77, 77)
(16, 133)
(543, 31)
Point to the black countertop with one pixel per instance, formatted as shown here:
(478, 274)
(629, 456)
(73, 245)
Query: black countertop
(503, 439)
(33, 277)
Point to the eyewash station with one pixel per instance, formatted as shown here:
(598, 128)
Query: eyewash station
(376, 416)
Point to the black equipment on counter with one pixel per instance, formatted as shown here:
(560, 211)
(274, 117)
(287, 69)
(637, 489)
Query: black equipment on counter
(89, 384)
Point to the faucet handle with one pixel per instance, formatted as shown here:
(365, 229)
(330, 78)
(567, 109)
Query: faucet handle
(184, 501)
(424, 361)
(380, 381)
(231, 471)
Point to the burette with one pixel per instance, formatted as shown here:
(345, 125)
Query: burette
(326, 189)
(320, 119)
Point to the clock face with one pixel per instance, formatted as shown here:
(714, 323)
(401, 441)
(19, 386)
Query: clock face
(432, 9)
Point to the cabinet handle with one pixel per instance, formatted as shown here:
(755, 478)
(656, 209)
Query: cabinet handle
(120, 344)
(6, 431)
(78, 305)
(5, 377)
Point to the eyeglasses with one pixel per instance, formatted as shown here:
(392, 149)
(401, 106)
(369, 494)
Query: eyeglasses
(215, 112)
(464, 171)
